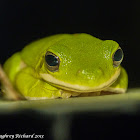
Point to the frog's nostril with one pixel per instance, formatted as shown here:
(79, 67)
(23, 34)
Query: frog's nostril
(101, 70)
(78, 72)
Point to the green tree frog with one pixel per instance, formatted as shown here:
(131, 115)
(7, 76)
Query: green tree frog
(66, 65)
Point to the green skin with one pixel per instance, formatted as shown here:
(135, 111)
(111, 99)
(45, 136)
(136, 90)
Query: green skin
(86, 67)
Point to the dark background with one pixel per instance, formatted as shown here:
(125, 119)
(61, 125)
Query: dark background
(23, 21)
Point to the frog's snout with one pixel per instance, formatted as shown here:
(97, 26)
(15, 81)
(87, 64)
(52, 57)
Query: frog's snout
(90, 75)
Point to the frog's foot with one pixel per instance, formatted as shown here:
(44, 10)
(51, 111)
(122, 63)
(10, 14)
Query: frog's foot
(90, 94)
(97, 93)
(68, 94)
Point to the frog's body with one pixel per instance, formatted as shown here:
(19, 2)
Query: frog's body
(66, 65)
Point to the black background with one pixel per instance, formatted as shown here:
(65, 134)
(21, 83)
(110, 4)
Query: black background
(23, 21)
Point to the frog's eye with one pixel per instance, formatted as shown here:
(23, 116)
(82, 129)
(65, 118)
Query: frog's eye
(117, 57)
(52, 61)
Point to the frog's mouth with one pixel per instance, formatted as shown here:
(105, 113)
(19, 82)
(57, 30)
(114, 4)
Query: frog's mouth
(78, 88)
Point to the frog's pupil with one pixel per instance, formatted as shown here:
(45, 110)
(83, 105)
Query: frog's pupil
(51, 60)
(118, 55)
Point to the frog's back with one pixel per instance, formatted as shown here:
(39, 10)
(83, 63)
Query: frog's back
(31, 53)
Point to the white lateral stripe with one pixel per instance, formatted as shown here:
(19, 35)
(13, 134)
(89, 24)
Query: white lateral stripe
(79, 88)
(116, 90)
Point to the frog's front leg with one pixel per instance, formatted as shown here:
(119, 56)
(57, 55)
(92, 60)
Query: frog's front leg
(31, 86)
(121, 84)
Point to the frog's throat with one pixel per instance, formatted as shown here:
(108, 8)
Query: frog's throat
(78, 88)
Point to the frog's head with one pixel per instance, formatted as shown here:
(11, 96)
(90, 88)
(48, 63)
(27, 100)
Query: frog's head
(82, 63)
